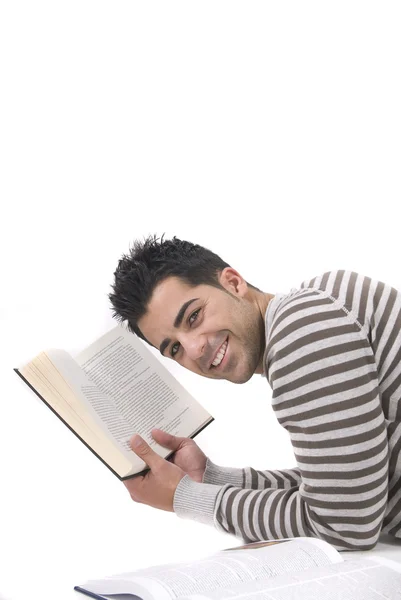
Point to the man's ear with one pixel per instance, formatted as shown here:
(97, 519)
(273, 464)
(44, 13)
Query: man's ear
(233, 282)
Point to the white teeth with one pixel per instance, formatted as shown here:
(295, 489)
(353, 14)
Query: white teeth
(220, 355)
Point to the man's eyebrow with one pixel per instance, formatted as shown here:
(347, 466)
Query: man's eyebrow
(177, 323)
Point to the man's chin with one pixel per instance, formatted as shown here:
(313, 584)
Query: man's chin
(241, 377)
(244, 379)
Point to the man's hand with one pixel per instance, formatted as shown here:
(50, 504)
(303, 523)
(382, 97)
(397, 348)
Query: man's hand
(187, 454)
(157, 486)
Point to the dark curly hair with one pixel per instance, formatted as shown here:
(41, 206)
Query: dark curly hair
(150, 262)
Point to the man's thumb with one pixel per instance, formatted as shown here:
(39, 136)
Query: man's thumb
(144, 451)
(166, 439)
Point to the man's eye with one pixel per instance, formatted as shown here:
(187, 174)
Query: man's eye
(172, 349)
(196, 316)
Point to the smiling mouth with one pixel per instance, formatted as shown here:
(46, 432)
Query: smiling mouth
(218, 359)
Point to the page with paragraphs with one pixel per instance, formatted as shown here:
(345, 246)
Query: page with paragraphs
(86, 400)
(142, 390)
(229, 569)
(95, 401)
(359, 579)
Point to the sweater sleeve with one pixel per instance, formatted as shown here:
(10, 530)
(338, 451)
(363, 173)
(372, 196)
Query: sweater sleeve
(250, 478)
(326, 395)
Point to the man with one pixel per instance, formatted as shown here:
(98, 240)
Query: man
(331, 351)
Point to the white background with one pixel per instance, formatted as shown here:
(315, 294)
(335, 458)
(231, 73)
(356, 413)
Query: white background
(268, 132)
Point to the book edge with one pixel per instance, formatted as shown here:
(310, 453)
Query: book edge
(82, 590)
(202, 427)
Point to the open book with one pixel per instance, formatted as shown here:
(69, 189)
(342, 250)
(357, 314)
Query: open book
(114, 388)
(301, 568)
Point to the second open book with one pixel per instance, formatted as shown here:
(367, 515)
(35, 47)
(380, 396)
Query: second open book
(114, 388)
(298, 569)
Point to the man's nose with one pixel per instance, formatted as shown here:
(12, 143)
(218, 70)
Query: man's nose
(194, 346)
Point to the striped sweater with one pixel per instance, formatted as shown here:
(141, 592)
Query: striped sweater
(333, 361)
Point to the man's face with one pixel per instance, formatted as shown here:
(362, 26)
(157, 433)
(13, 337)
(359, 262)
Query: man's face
(195, 326)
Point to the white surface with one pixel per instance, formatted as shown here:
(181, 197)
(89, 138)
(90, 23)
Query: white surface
(387, 547)
(268, 132)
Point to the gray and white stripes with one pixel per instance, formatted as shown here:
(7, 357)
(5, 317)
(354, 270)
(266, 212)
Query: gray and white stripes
(333, 360)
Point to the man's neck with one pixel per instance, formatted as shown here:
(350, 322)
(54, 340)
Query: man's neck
(263, 300)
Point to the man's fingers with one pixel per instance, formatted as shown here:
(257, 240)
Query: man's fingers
(166, 439)
(144, 451)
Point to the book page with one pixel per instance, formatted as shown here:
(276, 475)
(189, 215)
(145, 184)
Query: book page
(142, 390)
(60, 382)
(227, 569)
(90, 399)
(359, 579)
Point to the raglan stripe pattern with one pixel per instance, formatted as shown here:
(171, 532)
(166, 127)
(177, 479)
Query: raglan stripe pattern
(251, 478)
(377, 308)
(279, 479)
(333, 361)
